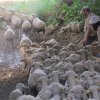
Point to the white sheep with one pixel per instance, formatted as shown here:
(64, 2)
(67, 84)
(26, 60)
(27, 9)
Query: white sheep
(9, 36)
(25, 40)
(15, 94)
(71, 27)
(34, 77)
(16, 23)
(26, 97)
(26, 27)
(55, 97)
(78, 92)
(23, 88)
(38, 25)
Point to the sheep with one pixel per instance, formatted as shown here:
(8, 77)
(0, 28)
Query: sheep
(72, 47)
(35, 65)
(71, 27)
(69, 67)
(9, 37)
(60, 65)
(86, 74)
(26, 27)
(51, 42)
(44, 93)
(56, 88)
(90, 65)
(63, 55)
(24, 46)
(96, 79)
(33, 78)
(78, 92)
(73, 58)
(37, 57)
(82, 53)
(95, 93)
(16, 23)
(50, 52)
(71, 75)
(15, 94)
(48, 62)
(57, 46)
(23, 49)
(55, 97)
(23, 88)
(25, 40)
(88, 52)
(79, 67)
(42, 82)
(38, 24)
(54, 76)
(1, 18)
(26, 97)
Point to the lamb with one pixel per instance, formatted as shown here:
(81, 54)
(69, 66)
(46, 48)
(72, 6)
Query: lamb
(26, 27)
(71, 27)
(95, 93)
(71, 75)
(25, 40)
(33, 78)
(15, 94)
(73, 58)
(25, 55)
(23, 88)
(51, 52)
(9, 36)
(55, 97)
(79, 67)
(25, 44)
(34, 66)
(63, 55)
(45, 93)
(26, 97)
(42, 82)
(78, 93)
(56, 88)
(38, 24)
(54, 76)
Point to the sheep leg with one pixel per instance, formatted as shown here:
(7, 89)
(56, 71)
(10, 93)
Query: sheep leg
(19, 34)
(6, 43)
(44, 32)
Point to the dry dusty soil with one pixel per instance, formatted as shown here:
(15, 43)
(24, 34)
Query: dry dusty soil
(9, 77)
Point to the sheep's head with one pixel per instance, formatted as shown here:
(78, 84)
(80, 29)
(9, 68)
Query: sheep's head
(64, 29)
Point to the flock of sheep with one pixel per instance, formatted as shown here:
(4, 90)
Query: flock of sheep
(19, 29)
(58, 72)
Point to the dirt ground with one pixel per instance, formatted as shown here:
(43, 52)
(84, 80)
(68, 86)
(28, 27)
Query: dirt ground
(9, 77)
(8, 80)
